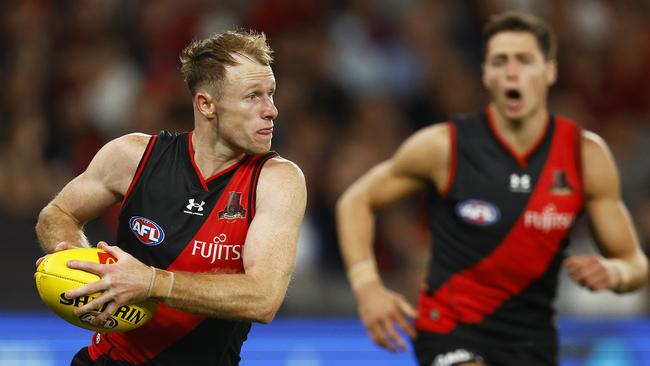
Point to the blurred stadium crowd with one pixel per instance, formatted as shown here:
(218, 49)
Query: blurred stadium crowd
(355, 77)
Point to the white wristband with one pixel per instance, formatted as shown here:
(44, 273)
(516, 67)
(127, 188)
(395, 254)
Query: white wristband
(622, 276)
(161, 283)
(362, 273)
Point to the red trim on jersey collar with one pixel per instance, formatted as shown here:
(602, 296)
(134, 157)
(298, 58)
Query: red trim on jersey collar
(522, 159)
(204, 181)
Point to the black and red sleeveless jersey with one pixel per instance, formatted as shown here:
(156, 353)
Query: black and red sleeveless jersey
(500, 229)
(173, 218)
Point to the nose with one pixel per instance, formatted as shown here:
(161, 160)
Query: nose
(269, 110)
(512, 69)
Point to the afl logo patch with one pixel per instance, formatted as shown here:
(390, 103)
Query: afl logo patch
(147, 231)
(478, 212)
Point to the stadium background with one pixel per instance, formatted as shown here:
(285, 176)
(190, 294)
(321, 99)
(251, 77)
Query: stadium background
(354, 78)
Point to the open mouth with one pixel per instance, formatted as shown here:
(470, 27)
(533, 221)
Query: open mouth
(513, 95)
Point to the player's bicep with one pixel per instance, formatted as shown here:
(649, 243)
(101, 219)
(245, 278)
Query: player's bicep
(421, 160)
(105, 180)
(384, 185)
(84, 198)
(270, 248)
(609, 218)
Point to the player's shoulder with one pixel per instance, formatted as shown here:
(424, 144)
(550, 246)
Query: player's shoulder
(281, 184)
(427, 142)
(593, 146)
(129, 143)
(279, 168)
(425, 151)
(120, 155)
(599, 166)
(592, 138)
(134, 140)
(437, 132)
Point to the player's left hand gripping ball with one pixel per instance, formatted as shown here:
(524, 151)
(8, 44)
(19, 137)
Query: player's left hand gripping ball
(54, 278)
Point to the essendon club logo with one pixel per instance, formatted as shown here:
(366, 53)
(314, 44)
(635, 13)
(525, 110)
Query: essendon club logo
(234, 209)
(561, 184)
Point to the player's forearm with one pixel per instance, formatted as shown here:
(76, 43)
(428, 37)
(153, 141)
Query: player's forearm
(54, 226)
(356, 224)
(227, 296)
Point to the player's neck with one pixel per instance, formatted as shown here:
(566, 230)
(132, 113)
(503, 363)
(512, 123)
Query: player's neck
(521, 134)
(211, 156)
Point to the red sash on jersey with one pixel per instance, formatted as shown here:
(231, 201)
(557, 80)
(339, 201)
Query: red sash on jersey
(524, 254)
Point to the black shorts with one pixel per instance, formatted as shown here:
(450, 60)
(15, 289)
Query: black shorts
(82, 358)
(433, 349)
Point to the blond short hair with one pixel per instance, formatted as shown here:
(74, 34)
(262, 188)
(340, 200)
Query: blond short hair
(204, 61)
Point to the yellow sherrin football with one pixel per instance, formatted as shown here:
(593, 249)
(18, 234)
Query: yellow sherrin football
(54, 278)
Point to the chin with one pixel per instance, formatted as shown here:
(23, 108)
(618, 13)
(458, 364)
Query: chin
(258, 150)
(517, 115)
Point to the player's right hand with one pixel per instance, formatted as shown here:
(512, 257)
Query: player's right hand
(124, 282)
(380, 310)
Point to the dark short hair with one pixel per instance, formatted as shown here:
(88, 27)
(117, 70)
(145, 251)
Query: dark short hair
(518, 21)
(204, 61)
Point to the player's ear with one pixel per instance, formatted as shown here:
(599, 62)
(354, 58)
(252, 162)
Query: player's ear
(205, 104)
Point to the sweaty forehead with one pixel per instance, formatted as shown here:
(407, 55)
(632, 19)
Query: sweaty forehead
(512, 42)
